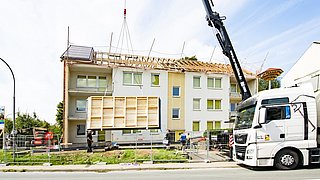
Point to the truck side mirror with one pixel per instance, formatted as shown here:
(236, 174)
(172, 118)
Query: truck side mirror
(261, 118)
(262, 115)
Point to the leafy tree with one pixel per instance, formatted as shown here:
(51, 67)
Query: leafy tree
(59, 119)
(264, 85)
(8, 125)
(193, 58)
(25, 120)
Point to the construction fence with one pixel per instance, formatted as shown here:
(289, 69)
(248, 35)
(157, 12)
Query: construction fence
(200, 146)
(28, 149)
(146, 146)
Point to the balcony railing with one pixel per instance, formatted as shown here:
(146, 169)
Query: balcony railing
(78, 116)
(93, 91)
(235, 95)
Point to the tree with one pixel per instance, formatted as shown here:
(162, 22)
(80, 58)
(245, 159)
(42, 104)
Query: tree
(8, 126)
(264, 85)
(193, 58)
(59, 119)
(25, 120)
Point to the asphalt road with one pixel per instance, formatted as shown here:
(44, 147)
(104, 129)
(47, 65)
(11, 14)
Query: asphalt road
(192, 174)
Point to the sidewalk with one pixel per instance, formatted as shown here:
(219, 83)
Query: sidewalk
(117, 167)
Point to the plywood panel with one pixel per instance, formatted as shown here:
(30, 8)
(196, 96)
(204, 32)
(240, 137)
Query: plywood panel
(122, 112)
(108, 101)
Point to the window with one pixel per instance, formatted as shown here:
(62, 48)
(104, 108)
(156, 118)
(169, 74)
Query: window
(277, 113)
(284, 100)
(213, 83)
(217, 124)
(81, 130)
(176, 91)
(209, 104)
(102, 81)
(137, 78)
(233, 88)
(155, 80)
(154, 130)
(232, 106)
(127, 78)
(81, 81)
(217, 104)
(126, 131)
(196, 81)
(129, 131)
(210, 82)
(91, 81)
(81, 105)
(213, 104)
(209, 125)
(196, 104)
(137, 131)
(175, 113)
(217, 83)
(132, 78)
(196, 126)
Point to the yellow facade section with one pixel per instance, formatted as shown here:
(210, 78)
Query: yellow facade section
(176, 79)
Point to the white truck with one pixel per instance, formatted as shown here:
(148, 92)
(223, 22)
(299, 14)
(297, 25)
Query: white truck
(277, 127)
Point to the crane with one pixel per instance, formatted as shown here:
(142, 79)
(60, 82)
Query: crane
(215, 20)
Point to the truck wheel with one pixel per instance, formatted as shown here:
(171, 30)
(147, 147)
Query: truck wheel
(286, 160)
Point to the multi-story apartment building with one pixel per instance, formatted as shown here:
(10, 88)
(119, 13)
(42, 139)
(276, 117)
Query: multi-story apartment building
(194, 95)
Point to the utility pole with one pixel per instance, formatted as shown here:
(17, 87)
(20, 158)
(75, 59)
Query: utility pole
(14, 110)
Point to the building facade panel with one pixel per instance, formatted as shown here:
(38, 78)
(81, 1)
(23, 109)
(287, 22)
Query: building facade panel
(176, 101)
(207, 93)
(146, 88)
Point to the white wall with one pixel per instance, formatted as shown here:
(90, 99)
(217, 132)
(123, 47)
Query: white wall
(145, 90)
(204, 93)
(308, 63)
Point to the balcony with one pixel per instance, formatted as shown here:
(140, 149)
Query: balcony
(90, 91)
(235, 96)
(77, 116)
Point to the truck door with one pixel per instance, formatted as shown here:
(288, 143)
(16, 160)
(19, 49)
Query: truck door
(273, 130)
(294, 127)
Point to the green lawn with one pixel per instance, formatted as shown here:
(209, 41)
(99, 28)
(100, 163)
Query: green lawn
(82, 157)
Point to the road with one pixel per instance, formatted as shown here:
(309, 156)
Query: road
(192, 174)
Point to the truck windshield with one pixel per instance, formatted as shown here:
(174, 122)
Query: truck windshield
(245, 118)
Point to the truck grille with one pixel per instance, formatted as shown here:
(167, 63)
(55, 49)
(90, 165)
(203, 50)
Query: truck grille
(241, 138)
(240, 152)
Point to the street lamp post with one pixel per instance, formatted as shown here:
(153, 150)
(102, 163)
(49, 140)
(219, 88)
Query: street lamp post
(14, 109)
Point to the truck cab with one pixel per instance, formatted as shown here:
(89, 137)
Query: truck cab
(277, 127)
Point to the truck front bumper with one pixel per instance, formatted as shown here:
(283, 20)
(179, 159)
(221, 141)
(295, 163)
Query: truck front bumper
(248, 155)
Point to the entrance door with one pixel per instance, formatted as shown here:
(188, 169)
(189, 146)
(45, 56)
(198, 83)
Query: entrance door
(273, 131)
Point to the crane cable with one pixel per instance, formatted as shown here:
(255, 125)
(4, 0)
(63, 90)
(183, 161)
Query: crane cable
(124, 35)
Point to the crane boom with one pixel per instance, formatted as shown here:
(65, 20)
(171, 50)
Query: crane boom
(214, 20)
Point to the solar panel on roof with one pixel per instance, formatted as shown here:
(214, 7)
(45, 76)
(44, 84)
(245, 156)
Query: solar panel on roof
(74, 52)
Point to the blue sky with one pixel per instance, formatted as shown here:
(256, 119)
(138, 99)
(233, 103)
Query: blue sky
(33, 35)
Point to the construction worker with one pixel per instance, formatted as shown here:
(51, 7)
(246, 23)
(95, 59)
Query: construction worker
(183, 140)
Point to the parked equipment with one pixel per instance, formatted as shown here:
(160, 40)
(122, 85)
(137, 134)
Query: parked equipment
(277, 127)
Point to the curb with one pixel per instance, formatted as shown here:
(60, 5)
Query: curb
(118, 167)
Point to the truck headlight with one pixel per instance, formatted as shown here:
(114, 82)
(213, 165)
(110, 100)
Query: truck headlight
(250, 151)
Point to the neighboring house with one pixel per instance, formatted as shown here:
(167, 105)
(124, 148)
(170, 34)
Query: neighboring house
(306, 70)
(306, 67)
(194, 96)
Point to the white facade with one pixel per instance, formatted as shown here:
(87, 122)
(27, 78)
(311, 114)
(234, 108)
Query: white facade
(307, 65)
(145, 89)
(203, 114)
(306, 71)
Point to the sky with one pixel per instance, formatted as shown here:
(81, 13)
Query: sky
(33, 36)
